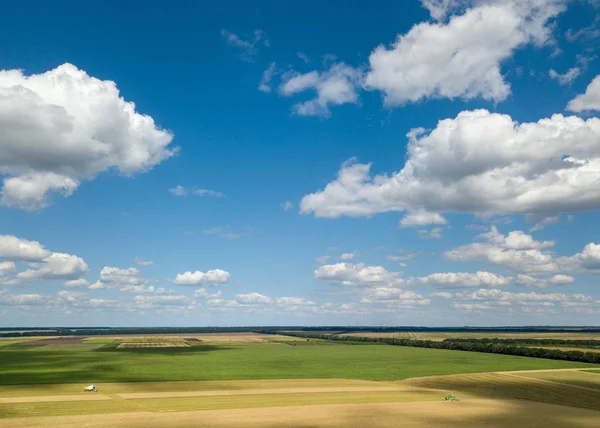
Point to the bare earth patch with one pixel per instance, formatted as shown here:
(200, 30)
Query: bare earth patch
(154, 345)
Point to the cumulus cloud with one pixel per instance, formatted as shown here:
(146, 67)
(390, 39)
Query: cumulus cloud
(349, 274)
(151, 302)
(461, 58)
(323, 259)
(348, 256)
(479, 162)
(178, 191)
(287, 205)
(56, 266)
(252, 299)
(530, 281)
(211, 277)
(465, 280)
(590, 100)
(567, 77)
(7, 267)
(587, 261)
(335, 86)
(21, 299)
(113, 277)
(392, 297)
(208, 192)
(516, 251)
(64, 126)
(14, 248)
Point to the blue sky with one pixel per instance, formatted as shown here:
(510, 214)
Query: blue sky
(235, 163)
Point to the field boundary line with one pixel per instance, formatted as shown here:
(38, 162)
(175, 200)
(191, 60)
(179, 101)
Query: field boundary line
(177, 394)
(51, 398)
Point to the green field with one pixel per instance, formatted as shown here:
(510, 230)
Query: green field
(23, 364)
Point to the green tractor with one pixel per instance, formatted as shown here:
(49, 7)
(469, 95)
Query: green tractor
(450, 397)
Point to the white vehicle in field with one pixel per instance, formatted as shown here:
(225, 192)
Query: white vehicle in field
(90, 388)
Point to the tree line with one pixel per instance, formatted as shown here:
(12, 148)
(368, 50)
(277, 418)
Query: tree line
(470, 345)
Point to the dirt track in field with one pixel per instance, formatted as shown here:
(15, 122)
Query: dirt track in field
(56, 341)
(174, 394)
(472, 413)
(92, 396)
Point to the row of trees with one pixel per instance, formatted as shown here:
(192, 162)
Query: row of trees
(587, 343)
(462, 345)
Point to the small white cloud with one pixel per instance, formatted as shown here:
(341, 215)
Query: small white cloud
(348, 256)
(287, 205)
(208, 192)
(7, 267)
(323, 259)
(113, 277)
(142, 262)
(303, 57)
(211, 277)
(465, 280)
(264, 85)
(178, 191)
(422, 218)
(248, 48)
(434, 233)
(77, 283)
(358, 275)
(567, 77)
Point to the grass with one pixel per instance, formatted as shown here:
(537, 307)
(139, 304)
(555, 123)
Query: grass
(20, 364)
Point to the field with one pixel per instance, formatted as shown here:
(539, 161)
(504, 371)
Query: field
(252, 380)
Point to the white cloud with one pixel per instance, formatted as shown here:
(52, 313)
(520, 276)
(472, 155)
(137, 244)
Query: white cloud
(7, 267)
(530, 281)
(141, 262)
(248, 48)
(587, 260)
(465, 280)
(348, 256)
(567, 77)
(392, 297)
(516, 251)
(77, 283)
(434, 233)
(440, 9)
(293, 301)
(358, 275)
(178, 191)
(183, 191)
(303, 57)
(264, 85)
(287, 205)
(56, 266)
(481, 163)
(64, 126)
(137, 289)
(21, 299)
(461, 58)
(422, 218)
(335, 86)
(151, 302)
(323, 259)
(113, 277)
(14, 248)
(208, 192)
(211, 277)
(201, 293)
(252, 299)
(588, 101)
(441, 294)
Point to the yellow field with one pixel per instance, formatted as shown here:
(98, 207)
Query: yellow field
(503, 399)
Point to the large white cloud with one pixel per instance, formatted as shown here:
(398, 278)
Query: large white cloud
(56, 266)
(461, 58)
(14, 248)
(64, 126)
(357, 275)
(588, 260)
(478, 162)
(590, 100)
(211, 277)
